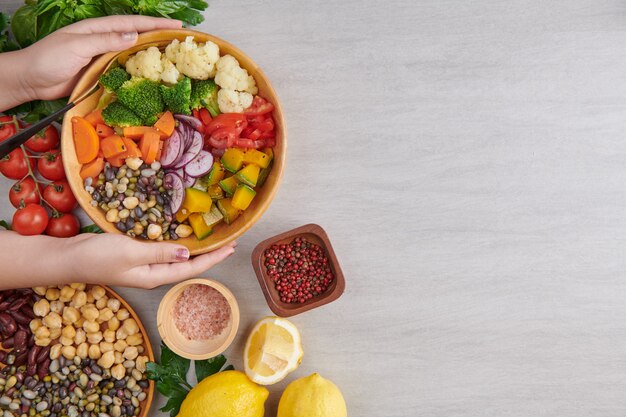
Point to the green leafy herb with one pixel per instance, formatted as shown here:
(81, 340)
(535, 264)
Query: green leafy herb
(6, 44)
(42, 108)
(92, 228)
(171, 376)
(24, 25)
(3, 223)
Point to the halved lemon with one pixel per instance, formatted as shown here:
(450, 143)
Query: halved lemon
(273, 349)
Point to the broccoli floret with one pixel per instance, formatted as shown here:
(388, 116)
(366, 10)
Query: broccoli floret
(178, 98)
(113, 79)
(118, 115)
(143, 97)
(204, 94)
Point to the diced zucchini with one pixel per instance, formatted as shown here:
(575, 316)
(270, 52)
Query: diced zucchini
(229, 212)
(249, 174)
(229, 185)
(216, 174)
(243, 197)
(232, 159)
(213, 217)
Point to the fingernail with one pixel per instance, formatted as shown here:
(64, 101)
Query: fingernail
(182, 254)
(129, 36)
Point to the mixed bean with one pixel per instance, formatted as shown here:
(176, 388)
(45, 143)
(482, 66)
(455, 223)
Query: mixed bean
(135, 200)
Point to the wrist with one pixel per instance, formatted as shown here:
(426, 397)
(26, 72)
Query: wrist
(14, 74)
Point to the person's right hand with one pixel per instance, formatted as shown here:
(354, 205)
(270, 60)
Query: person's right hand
(120, 260)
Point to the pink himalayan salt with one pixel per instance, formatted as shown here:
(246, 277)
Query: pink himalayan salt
(201, 312)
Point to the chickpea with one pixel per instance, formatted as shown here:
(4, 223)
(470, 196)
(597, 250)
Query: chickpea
(131, 326)
(140, 349)
(90, 312)
(66, 341)
(119, 358)
(101, 303)
(106, 360)
(94, 352)
(42, 332)
(94, 338)
(118, 371)
(79, 299)
(69, 332)
(90, 298)
(120, 345)
(55, 352)
(113, 324)
(70, 315)
(40, 290)
(134, 339)
(80, 336)
(98, 292)
(140, 363)
(106, 314)
(106, 347)
(82, 350)
(68, 352)
(66, 293)
(91, 326)
(42, 342)
(114, 304)
(35, 324)
(53, 321)
(122, 314)
(109, 335)
(41, 308)
(80, 322)
(78, 286)
(57, 307)
(131, 352)
(121, 333)
(53, 294)
(55, 333)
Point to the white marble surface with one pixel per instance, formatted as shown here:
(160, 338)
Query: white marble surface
(467, 160)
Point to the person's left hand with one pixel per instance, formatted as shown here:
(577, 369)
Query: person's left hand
(51, 67)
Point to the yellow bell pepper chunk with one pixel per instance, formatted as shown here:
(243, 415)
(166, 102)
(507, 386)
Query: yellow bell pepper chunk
(249, 174)
(243, 197)
(196, 201)
(200, 228)
(232, 159)
(252, 156)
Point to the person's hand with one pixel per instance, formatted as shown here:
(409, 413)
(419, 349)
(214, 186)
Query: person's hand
(120, 260)
(50, 68)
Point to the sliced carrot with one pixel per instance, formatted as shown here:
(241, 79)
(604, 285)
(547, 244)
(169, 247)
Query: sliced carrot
(103, 130)
(132, 151)
(166, 123)
(112, 145)
(92, 169)
(86, 140)
(137, 132)
(95, 117)
(149, 146)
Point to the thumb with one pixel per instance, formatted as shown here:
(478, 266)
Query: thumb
(100, 43)
(160, 253)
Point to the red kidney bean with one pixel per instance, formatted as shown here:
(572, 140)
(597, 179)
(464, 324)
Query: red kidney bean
(17, 304)
(3, 356)
(21, 359)
(8, 343)
(42, 368)
(28, 311)
(33, 353)
(7, 324)
(31, 369)
(21, 337)
(31, 340)
(44, 354)
(20, 317)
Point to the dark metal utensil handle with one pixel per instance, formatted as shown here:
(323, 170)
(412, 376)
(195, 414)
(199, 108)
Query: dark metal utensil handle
(18, 139)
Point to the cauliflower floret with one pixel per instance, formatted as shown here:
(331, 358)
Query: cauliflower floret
(192, 59)
(231, 101)
(231, 76)
(146, 64)
(170, 74)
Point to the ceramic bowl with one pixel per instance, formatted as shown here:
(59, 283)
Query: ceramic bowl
(223, 233)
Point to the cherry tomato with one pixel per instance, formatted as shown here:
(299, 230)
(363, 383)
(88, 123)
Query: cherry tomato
(50, 165)
(263, 123)
(66, 225)
(44, 140)
(251, 133)
(14, 165)
(24, 192)
(223, 137)
(30, 220)
(259, 106)
(7, 127)
(59, 196)
(230, 120)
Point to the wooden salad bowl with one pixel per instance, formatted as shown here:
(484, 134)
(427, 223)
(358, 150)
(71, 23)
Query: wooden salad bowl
(222, 233)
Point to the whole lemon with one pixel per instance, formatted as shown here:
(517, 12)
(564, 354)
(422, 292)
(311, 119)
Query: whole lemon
(228, 393)
(312, 396)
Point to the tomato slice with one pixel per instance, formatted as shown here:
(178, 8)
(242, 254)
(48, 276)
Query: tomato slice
(204, 116)
(254, 135)
(7, 127)
(195, 113)
(258, 107)
(229, 120)
(223, 137)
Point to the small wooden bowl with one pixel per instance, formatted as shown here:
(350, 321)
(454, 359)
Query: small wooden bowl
(145, 404)
(315, 234)
(223, 233)
(195, 349)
